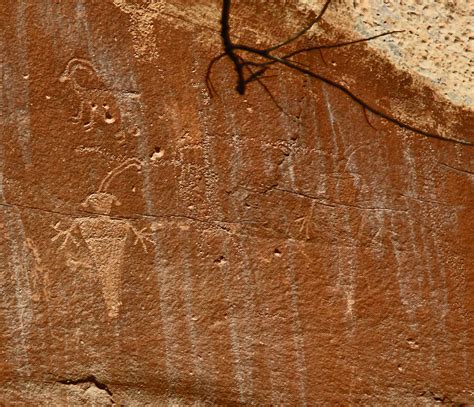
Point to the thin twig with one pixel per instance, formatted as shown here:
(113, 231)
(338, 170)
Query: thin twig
(303, 31)
(209, 85)
(265, 88)
(341, 44)
(229, 47)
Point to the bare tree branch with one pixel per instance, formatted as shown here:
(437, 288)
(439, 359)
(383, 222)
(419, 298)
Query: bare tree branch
(229, 47)
(233, 52)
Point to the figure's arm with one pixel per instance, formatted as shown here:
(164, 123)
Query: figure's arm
(67, 233)
(142, 236)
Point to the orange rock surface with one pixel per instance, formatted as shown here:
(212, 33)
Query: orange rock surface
(159, 245)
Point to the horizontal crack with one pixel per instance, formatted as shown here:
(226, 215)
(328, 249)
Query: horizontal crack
(224, 225)
(88, 379)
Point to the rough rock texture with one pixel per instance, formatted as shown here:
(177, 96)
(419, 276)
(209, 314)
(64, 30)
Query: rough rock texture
(161, 246)
(436, 44)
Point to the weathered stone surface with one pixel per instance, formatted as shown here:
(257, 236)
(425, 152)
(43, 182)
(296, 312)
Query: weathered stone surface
(161, 246)
(433, 42)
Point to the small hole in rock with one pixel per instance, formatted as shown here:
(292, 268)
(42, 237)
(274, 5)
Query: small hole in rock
(277, 252)
(109, 119)
(220, 259)
(158, 153)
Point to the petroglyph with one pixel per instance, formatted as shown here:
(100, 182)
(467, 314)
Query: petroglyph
(39, 276)
(97, 104)
(104, 237)
(307, 223)
(123, 134)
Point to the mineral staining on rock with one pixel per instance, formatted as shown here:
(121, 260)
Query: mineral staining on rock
(162, 246)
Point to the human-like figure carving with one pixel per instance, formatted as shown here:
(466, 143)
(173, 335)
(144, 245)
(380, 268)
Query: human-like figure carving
(39, 274)
(105, 237)
(97, 104)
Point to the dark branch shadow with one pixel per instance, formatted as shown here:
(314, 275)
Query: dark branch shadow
(242, 64)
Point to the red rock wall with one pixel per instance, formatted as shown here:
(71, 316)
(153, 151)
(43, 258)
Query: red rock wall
(159, 245)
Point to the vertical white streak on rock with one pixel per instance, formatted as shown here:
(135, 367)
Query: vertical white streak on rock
(262, 326)
(321, 178)
(298, 338)
(346, 272)
(441, 256)
(249, 330)
(211, 193)
(412, 300)
(236, 161)
(403, 287)
(420, 235)
(3, 112)
(331, 121)
(429, 265)
(21, 84)
(211, 176)
(19, 265)
(132, 112)
(463, 287)
(444, 222)
(436, 219)
(199, 373)
(288, 131)
(269, 359)
(17, 91)
(234, 335)
(345, 277)
(295, 317)
(133, 108)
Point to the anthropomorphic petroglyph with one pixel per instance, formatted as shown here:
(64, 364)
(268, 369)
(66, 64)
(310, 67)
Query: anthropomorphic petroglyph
(306, 223)
(104, 237)
(39, 276)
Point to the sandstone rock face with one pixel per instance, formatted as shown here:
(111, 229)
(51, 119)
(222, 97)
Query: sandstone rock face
(162, 246)
(434, 43)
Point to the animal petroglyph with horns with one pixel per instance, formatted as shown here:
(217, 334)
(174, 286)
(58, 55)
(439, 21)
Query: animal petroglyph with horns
(97, 104)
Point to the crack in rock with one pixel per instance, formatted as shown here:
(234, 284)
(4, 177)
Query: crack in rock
(91, 388)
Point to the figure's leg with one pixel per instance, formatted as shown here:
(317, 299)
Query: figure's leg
(46, 285)
(78, 117)
(111, 291)
(110, 113)
(120, 136)
(89, 123)
(306, 223)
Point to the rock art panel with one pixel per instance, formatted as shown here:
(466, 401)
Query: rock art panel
(165, 243)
